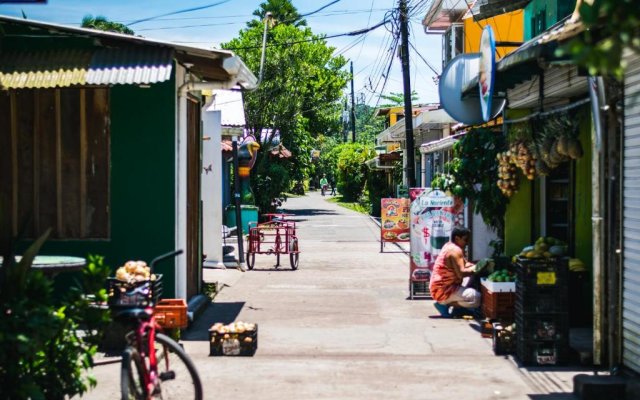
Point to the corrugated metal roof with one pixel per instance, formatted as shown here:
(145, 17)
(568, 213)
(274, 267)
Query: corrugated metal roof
(63, 68)
(211, 65)
(130, 66)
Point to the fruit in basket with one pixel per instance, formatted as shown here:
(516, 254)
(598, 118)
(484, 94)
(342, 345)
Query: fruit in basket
(134, 271)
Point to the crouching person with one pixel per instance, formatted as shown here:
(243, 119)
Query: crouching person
(449, 271)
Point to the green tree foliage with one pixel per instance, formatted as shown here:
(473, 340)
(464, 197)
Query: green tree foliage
(397, 99)
(297, 100)
(103, 24)
(352, 170)
(474, 164)
(282, 11)
(611, 26)
(367, 126)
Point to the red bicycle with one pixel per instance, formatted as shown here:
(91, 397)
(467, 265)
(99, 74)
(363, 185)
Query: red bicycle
(153, 365)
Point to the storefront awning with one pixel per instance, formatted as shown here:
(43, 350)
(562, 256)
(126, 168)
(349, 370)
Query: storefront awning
(483, 9)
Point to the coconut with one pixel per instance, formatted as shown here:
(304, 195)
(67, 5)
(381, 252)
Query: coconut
(562, 145)
(574, 149)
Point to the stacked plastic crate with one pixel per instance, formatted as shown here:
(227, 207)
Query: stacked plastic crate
(541, 311)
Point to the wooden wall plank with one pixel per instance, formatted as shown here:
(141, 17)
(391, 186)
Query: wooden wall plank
(83, 163)
(36, 162)
(46, 133)
(14, 163)
(194, 172)
(70, 148)
(97, 159)
(58, 166)
(25, 126)
(6, 168)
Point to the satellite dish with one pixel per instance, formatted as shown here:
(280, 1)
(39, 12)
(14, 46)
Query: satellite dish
(456, 75)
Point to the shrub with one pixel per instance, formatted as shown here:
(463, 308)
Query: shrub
(42, 353)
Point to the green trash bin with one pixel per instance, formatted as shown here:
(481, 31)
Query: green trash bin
(248, 213)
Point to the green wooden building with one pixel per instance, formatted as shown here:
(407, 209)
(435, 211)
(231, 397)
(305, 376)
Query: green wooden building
(100, 140)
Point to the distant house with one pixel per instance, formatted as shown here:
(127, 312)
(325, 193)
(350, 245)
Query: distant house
(100, 139)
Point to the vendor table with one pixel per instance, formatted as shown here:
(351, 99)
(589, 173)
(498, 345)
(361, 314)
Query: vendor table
(53, 265)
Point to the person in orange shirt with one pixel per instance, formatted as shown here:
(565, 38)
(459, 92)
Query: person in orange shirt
(450, 269)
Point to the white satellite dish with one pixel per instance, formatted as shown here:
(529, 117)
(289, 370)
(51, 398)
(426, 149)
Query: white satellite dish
(455, 77)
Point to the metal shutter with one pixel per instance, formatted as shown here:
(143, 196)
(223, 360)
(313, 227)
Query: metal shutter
(631, 217)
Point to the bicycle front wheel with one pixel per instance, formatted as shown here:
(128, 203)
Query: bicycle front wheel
(178, 375)
(131, 376)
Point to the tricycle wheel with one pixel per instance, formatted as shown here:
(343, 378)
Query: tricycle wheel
(294, 256)
(251, 259)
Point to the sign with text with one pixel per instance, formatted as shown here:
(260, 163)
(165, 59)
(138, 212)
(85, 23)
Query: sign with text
(433, 214)
(394, 221)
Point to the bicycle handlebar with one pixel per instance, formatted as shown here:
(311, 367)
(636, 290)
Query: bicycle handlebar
(164, 257)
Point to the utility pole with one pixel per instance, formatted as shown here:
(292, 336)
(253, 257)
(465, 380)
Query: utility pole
(353, 109)
(408, 109)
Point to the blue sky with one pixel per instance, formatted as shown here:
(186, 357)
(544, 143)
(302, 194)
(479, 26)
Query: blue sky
(211, 26)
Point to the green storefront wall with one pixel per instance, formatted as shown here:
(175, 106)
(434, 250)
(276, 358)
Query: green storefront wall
(522, 217)
(142, 182)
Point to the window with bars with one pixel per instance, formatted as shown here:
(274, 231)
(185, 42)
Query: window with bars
(54, 162)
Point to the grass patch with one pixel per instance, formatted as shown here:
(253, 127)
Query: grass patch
(355, 206)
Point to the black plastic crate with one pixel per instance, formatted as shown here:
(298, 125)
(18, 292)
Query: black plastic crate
(542, 272)
(543, 327)
(503, 340)
(536, 353)
(541, 299)
(233, 343)
(134, 294)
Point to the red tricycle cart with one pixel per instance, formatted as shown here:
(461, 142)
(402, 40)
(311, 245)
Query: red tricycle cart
(275, 236)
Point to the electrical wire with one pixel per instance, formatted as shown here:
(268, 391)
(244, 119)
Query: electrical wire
(352, 33)
(179, 12)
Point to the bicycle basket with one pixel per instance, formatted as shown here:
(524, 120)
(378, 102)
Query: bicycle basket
(134, 294)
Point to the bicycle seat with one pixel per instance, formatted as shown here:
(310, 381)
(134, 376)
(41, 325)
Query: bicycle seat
(134, 313)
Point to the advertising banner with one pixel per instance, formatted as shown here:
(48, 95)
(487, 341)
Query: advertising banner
(394, 221)
(433, 214)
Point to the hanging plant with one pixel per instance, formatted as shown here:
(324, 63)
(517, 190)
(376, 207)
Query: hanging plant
(474, 174)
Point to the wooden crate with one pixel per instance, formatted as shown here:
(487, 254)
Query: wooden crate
(171, 313)
(498, 305)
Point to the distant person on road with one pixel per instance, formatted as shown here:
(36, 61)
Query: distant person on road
(332, 183)
(451, 267)
(324, 184)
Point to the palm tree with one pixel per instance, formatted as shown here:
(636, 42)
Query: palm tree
(282, 12)
(103, 24)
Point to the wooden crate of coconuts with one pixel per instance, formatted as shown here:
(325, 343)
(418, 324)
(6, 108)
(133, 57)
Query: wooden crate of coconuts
(235, 339)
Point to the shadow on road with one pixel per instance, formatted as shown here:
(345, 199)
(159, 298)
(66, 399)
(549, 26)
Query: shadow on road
(215, 312)
(311, 211)
(553, 396)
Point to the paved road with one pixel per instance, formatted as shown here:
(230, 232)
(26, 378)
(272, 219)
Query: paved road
(342, 327)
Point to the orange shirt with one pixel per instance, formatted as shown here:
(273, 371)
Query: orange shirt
(443, 279)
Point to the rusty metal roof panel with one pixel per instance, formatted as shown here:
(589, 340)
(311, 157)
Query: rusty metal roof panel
(69, 67)
(130, 66)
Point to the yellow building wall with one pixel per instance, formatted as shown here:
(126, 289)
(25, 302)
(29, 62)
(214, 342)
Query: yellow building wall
(507, 27)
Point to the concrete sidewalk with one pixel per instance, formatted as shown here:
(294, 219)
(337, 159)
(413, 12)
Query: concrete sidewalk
(342, 327)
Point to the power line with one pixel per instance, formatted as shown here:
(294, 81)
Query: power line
(423, 59)
(352, 33)
(180, 12)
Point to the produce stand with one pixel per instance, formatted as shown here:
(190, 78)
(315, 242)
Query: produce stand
(541, 311)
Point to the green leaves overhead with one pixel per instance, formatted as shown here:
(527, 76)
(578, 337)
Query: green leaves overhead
(611, 27)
